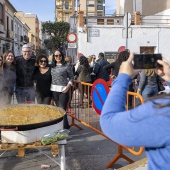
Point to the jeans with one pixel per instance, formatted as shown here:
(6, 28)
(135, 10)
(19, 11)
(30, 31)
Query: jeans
(24, 95)
(149, 92)
(61, 100)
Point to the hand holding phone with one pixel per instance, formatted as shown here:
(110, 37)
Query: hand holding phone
(146, 61)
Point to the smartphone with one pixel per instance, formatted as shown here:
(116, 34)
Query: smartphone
(147, 61)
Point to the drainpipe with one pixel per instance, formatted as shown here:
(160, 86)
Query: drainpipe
(158, 40)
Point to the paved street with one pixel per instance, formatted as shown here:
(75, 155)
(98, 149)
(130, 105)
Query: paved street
(85, 150)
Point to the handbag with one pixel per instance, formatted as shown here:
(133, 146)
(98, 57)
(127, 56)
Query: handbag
(160, 85)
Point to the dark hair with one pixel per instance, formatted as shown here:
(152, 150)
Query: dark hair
(40, 57)
(123, 56)
(63, 62)
(13, 64)
(101, 54)
(84, 61)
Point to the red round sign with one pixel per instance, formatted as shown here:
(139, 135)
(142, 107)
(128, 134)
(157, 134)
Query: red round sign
(71, 37)
(121, 48)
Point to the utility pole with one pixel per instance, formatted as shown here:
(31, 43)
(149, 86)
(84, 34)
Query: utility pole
(104, 7)
(87, 3)
(76, 5)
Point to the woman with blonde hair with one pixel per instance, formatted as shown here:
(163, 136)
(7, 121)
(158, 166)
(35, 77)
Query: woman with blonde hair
(69, 60)
(148, 83)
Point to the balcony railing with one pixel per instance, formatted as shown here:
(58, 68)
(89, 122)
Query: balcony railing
(65, 7)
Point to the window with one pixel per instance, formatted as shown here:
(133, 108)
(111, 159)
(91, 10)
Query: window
(100, 21)
(99, 1)
(1, 13)
(110, 22)
(66, 5)
(99, 7)
(12, 26)
(91, 5)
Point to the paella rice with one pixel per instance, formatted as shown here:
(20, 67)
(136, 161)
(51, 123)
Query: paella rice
(24, 114)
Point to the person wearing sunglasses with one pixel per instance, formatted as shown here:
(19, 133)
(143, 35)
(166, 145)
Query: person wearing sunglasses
(42, 78)
(9, 77)
(62, 79)
(147, 125)
(25, 68)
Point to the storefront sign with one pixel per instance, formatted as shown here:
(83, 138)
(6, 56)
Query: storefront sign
(94, 33)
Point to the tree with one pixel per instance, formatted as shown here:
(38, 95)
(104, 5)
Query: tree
(41, 51)
(57, 32)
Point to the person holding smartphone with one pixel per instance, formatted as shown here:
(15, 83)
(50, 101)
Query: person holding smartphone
(147, 125)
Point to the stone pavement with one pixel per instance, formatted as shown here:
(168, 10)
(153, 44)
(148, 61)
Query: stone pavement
(85, 150)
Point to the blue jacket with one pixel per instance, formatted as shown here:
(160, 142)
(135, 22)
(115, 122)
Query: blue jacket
(146, 125)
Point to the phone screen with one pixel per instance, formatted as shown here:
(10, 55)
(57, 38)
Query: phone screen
(146, 61)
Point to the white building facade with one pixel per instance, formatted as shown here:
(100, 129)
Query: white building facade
(111, 38)
(20, 36)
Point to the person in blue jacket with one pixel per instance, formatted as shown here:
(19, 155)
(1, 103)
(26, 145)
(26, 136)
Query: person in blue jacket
(147, 125)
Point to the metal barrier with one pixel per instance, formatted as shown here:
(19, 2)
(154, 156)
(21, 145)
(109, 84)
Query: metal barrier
(86, 115)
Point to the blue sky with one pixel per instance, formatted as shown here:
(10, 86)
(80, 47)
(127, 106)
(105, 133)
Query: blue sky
(44, 9)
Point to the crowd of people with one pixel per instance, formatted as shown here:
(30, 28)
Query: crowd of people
(146, 125)
(53, 82)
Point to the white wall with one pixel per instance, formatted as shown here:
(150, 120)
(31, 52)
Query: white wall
(110, 39)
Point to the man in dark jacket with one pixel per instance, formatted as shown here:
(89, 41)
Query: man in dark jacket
(25, 67)
(98, 68)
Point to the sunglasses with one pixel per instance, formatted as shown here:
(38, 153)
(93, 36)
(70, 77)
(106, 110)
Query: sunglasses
(58, 55)
(0, 60)
(43, 61)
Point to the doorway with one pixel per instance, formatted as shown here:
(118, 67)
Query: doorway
(149, 50)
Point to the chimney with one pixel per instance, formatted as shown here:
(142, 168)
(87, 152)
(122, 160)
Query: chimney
(81, 19)
(137, 18)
